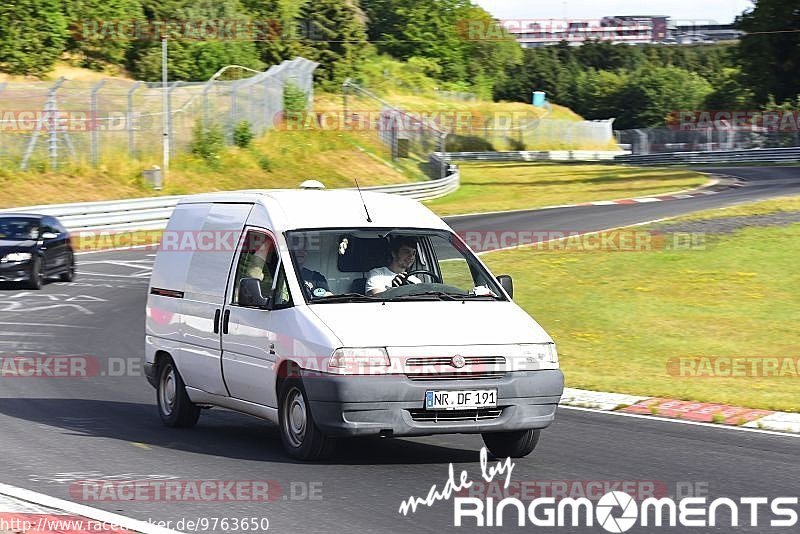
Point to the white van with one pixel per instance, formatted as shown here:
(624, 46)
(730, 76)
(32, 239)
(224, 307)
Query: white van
(334, 314)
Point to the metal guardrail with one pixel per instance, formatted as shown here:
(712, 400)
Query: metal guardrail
(755, 155)
(534, 155)
(152, 213)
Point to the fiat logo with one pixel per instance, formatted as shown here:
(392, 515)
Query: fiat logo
(458, 361)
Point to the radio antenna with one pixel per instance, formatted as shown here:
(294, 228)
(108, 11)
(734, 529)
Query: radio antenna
(369, 219)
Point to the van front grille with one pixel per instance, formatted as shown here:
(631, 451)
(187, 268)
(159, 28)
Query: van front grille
(489, 375)
(445, 360)
(421, 415)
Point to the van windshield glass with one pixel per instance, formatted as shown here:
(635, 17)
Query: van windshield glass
(365, 265)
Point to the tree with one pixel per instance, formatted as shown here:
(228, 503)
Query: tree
(98, 29)
(651, 95)
(33, 34)
(771, 61)
(280, 35)
(199, 43)
(335, 36)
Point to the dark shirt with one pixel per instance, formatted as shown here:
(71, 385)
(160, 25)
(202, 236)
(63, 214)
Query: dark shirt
(313, 280)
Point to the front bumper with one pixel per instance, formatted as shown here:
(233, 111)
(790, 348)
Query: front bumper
(18, 271)
(393, 405)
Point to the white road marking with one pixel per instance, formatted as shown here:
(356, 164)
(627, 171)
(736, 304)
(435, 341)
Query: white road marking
(82, 510)
(49, 324)
(682, 422)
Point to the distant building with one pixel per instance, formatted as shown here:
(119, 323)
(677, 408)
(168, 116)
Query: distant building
(630, 29)
(705, 33)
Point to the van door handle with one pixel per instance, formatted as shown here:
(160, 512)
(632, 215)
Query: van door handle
(225, 318)
(216, 322)
(272, 348)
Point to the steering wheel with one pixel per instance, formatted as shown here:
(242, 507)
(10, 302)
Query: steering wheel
(435, 278)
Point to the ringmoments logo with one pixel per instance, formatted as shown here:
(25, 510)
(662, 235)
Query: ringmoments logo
(615, 511)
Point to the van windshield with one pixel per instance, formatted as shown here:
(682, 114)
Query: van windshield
(364, 265)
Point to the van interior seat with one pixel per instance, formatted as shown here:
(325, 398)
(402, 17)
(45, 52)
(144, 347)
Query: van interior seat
(363, 255)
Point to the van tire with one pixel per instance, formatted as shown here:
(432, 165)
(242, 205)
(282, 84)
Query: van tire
(515, 444)
(300, 436)
(174, 406)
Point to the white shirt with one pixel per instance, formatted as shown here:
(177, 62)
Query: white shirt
(380, 278)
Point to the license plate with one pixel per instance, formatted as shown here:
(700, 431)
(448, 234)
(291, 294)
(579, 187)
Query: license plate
(460, 400)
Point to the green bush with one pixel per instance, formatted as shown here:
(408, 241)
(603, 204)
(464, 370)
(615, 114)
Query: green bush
(264, 163)
(243, 134)
(208, 142)
(294, 98)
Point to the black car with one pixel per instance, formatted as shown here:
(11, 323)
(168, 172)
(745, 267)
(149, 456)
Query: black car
(34, 247)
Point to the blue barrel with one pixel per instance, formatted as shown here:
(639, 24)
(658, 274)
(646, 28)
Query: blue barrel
(539, 98)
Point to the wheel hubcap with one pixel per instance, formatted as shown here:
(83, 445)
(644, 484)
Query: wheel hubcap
(295, 417)
(167, 391)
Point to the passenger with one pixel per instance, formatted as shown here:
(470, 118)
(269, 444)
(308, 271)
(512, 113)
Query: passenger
(404, 254)
(314, 282)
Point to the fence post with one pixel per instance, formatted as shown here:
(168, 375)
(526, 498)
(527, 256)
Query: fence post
(94, 135)
(443, 166)
(131, 127)
(170, 122)
(50, 109)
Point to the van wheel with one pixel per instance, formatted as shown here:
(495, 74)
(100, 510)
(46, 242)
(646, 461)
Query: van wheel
(174, 405)
(301, 437)
(515, 444)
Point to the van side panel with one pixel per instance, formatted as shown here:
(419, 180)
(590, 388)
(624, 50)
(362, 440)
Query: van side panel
(174, 255)
(206, 278)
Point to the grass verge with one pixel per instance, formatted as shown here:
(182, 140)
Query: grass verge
(509, 186)
(279, 159)
(622, 319)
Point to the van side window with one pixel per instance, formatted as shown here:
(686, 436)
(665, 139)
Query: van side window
(283, 299)
(258, 259)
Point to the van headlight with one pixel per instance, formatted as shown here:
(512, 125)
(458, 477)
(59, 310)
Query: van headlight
(534, 357)
(358, 361)
(16, 257)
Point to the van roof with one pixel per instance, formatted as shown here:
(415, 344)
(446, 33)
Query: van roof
(330, 208)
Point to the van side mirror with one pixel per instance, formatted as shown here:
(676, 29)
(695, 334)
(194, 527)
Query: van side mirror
(250, 294)
(507, 284)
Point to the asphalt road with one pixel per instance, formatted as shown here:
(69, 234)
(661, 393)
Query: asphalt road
(56, 432)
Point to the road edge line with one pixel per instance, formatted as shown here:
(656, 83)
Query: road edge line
(128, 523)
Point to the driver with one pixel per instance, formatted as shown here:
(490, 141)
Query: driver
(404, 254)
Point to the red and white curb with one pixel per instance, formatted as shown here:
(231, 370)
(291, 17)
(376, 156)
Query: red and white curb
(680, 410)
(23, 511)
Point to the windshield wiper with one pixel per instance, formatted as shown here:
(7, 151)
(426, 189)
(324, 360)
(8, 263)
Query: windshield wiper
(441, 295)
(344, 297)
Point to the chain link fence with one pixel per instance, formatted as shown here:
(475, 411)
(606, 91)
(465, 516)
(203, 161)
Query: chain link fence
(664, 140)
(47, 124)
(407, 134)
(517, 132)
(404, 134)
